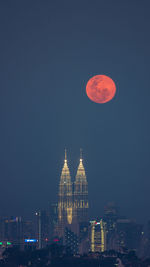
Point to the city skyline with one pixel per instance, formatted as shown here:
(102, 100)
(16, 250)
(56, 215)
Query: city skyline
(73, 166)
(67, 223)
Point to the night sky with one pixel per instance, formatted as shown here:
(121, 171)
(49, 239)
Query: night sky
(48, 51)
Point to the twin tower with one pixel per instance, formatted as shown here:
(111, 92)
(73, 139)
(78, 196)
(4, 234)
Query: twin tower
(72, 198)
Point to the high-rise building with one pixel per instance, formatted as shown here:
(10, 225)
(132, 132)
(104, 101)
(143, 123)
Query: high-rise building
(97, 236)
(73, 205)
(81, 194)
(42, 228)
(110, 218)
(53, 219)
(65, 205)
(81, 206)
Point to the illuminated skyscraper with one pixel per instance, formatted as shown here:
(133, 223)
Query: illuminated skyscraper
(81, 194)
(98, 236)
(73, 207)
(65, 199)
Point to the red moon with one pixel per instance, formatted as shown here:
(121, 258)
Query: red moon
(100, 89)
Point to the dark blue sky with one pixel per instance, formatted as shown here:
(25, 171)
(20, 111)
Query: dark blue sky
(48, 51)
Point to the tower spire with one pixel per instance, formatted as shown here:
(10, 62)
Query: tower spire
(81, 171)
(65, 154)
(65, 174)
(81, 154)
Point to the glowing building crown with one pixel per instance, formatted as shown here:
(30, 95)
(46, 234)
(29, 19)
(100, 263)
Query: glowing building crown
(65, 174)
(81, 171)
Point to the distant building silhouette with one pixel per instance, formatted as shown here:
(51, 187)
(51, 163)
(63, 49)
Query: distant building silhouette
(129, 234)
(71, 242)
(110, 218)
(53, 219)
(11, 230)
(42, 228)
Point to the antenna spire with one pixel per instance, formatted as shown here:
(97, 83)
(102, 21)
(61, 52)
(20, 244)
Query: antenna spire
(80, 154)
(65, 155)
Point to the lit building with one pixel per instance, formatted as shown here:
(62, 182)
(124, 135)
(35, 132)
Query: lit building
(65, 205)
(81, 205)
(73, 205)
(97, 236)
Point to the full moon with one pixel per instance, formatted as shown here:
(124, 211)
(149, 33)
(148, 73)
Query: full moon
(100, 89)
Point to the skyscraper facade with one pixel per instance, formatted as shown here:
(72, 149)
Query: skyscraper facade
(81, 194)
(98, 236)
(65, 204)
(72, 201)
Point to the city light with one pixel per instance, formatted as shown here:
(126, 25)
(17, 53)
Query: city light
(30, 240)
